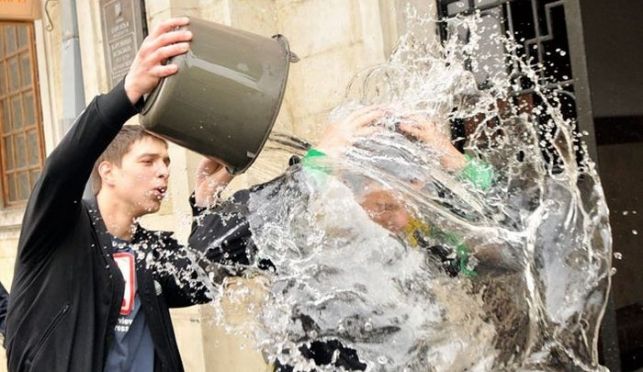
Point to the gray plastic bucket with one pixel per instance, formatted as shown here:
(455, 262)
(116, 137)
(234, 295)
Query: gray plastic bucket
(224, 100)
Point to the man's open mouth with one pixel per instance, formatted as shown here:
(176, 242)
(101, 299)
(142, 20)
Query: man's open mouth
(159, 192)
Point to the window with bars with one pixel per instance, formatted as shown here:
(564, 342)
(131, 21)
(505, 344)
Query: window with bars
(540, 27)
(21, 141)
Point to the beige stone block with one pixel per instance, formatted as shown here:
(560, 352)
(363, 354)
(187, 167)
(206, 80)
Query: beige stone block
(8, 252)
(319, 83)
(187, 328)
(154, 7)
(284, 118)
(257, 16)
(238, 182)
(315, 26)
(234, 352)
(90, 34)
(53, 59)
(158, 10)
(11, 216)
(6, 271)
(177, 223)
(167, 206)
(49, 129)
(10, 220)
(9, 247)
(311, 127)
(374, 25)
(215, 11)
(3, 361)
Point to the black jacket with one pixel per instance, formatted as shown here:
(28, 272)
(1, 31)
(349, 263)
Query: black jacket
(4, 298)
(67, 289)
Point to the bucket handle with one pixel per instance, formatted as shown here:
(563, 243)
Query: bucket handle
(292, 57)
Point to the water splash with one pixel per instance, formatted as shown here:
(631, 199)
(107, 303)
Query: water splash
(510, 276)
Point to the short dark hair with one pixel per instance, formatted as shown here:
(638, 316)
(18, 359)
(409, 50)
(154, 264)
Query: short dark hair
(119, 146)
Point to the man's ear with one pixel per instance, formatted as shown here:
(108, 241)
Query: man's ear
(106, 173)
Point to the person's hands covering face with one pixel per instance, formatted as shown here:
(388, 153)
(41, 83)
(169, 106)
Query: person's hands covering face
(417, 126)
(339, 136)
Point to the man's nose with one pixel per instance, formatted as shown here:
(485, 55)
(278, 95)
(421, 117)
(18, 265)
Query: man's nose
(163, 170)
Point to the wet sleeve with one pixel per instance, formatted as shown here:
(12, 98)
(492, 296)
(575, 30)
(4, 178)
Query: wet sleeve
(222, 234)
(55, 202)
(174, 270)
(460, 263)
(480, 174)
(315, 164)
(221, 239)
(450, 250)
(314, 160)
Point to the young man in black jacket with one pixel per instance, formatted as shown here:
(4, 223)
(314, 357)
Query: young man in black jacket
(84, 297)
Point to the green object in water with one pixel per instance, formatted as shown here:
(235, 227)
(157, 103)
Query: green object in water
(478, 173)
(314, 159)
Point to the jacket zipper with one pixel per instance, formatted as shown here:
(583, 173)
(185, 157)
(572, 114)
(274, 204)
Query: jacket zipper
(50, 329)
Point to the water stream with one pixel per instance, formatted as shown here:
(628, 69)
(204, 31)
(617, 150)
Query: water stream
(512, 275)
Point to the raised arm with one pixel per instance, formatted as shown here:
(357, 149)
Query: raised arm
(55, 202)
(220, 232)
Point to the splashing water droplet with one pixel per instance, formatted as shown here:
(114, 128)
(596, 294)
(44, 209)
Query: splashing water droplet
(368, 326)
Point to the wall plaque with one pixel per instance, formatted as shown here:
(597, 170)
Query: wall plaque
(124, 28)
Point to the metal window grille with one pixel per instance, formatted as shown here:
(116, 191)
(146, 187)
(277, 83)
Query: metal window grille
(539, 26)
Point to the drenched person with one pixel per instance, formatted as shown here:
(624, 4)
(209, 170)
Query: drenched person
(83, 296)
(382, 205)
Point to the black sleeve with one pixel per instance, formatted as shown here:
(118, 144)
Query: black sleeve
(173, 269)
(4, 299)
(222, 240)
(222, 234)
(55, 202)
(220, 245)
